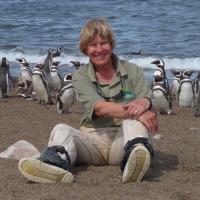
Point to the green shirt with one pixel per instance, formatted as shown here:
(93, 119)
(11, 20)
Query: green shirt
(128, 84)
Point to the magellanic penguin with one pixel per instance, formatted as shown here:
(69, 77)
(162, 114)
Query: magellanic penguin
(186, 91)
(66, 96)
(197, 106)
(175, 83)
(6, 80)
(196, 85)
(25, 79)
(55, 76)
(52, 53)
(161, 97)
(161, 66)
(40, 85)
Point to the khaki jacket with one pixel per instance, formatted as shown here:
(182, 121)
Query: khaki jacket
(128, 84)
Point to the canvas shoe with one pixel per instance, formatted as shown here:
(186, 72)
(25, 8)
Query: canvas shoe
(38, 171)
(137, 164)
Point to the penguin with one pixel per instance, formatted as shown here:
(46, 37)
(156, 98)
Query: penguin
(52, 53)
(186, 94)
(55, 76)
(66, 95)
(25, 79)
(175, 83)
(6, 80)
(40, 85)
(197, 106)
(196, 85)
(47, 64)
(161, 67)
(161, 97)
(65, 98)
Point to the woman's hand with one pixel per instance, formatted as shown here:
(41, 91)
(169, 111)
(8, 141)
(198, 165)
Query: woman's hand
(149, 120)
(137, 107)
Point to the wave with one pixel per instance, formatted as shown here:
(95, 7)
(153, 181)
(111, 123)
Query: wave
(143, 61)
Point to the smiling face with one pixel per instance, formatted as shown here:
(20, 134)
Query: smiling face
(99, 51)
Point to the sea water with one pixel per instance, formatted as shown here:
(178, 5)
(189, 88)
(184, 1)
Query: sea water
(161, 29)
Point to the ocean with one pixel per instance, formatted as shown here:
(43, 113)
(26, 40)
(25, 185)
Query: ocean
(161, 29)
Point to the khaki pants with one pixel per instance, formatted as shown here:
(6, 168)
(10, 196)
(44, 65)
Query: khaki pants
(96, 146)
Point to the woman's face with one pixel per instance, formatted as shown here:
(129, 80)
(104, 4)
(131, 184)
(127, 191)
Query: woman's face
(99, 51)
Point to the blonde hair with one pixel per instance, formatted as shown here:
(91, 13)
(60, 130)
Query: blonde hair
(93, 27)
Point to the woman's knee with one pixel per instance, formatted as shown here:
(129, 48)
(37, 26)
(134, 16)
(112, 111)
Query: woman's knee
(134, 128)
(59, 133)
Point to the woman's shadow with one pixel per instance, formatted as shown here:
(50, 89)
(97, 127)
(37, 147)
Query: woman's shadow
(161, 163)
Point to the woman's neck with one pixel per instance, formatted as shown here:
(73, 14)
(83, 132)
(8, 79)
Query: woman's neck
(105, 74)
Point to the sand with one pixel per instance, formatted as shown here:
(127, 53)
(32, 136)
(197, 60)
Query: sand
(174, 173)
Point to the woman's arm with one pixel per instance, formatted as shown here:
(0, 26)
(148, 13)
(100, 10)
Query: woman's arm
(110, 110)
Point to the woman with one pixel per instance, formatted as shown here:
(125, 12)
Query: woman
(117, 119)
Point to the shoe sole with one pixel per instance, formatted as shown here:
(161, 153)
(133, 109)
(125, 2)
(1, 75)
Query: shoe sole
(137, 165)
(40, 172)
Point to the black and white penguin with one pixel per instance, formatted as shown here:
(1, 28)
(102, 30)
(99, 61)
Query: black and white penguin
(197, 106)
(176, 79)
(50, 58)
(55, 76)
(40, 85)
(186, 94)
(161, 97)
(66, 96)
(6, 80)
(25, 78)
(161, 67)
(196, 85)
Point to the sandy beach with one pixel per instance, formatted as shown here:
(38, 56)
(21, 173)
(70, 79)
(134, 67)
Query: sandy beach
(173, 175)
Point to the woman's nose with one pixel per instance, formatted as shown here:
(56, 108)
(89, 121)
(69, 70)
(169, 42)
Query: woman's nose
(99, 48)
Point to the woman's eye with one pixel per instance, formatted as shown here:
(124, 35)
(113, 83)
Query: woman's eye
(92, 45)
(106, 42)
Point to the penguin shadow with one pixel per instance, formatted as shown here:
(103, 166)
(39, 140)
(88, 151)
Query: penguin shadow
(162, 163)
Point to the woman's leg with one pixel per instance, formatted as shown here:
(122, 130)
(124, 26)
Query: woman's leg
(80, 147)
(137, 150)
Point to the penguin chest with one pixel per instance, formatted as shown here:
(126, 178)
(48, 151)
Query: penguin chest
(40, 87)
(65, 99)
(175, 87)
(160, 100)
(56, 80)
(25, 76)
(186, 95)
